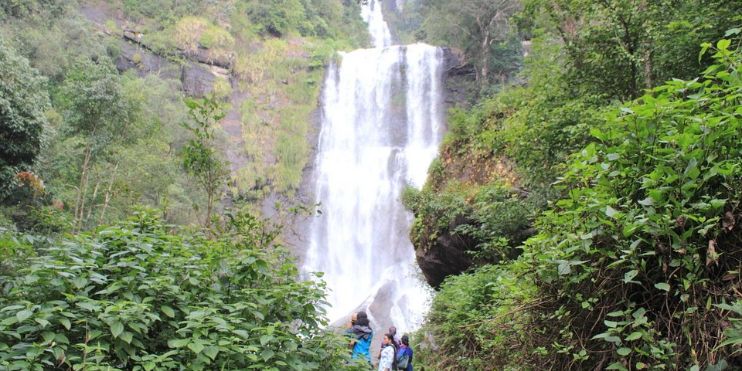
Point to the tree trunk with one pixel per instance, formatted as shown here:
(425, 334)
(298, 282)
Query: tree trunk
(108, 195)
(648, 75)
(81, 190)
(485, 57)
(209, 205)
(95, 194)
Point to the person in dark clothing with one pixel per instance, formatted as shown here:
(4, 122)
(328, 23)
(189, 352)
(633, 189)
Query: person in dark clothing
(395, 338)
(404, 355)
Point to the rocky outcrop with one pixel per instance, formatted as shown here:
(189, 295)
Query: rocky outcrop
(197, 74)
(203, 55)
(446, 256)
(145, 62)
(197, 81)
(460, 79)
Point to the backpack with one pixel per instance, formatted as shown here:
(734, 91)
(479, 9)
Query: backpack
(403, 359)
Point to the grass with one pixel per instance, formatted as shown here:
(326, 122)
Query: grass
(284, 87)
(281, 76)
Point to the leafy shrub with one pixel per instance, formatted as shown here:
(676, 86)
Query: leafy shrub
(435, 214)
(23, 100)
(188, 32)
(633, 260)
(489, 220)
(478, 322)
(222, 89)
(277, 17)
(135, 297)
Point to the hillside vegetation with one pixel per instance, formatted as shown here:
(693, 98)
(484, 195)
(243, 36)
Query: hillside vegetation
(586, 215)
(126, 243)
(104, 141)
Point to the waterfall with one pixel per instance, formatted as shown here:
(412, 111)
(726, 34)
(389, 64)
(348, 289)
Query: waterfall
(381, 126)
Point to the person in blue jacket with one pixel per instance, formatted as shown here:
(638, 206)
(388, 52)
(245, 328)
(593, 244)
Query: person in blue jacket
(361, 336)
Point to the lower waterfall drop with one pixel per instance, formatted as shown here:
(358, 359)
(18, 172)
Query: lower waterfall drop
(381, 126)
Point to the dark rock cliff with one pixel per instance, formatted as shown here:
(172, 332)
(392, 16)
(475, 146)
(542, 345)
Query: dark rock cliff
(459, 79)
(194, 70)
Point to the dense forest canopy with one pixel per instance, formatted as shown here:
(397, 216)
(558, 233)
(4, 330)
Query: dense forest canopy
(589, 186)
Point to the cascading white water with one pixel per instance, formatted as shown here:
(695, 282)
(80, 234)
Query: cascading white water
(381, 125)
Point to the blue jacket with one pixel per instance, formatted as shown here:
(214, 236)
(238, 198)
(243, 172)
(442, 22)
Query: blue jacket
(362, 347)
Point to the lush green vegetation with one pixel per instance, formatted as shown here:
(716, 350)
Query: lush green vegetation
(97, 126)
(276, 50)
(485, 31)
(630, 209)
(22, 105)
(104, 142)
(135, 296)
(597, 193)
(635, 266)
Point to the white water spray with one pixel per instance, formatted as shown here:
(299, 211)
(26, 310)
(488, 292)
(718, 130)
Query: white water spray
(381, 126)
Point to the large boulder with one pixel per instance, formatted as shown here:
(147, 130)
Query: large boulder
(197, 80)
(446, 255)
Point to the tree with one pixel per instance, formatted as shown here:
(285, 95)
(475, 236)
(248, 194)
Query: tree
(479, 27)
(23, 101)
(618, 48)
(95, 110)
(200, 159)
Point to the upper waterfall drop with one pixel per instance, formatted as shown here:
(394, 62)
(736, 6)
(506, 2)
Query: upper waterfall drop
(377, 26)
(381, 126)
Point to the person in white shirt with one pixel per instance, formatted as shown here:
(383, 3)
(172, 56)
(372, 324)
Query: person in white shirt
(387, 354)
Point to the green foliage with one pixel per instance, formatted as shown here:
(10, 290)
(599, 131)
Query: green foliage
(436, 214)
(134, 297)
(617, 48)
(482, 29)
(635, 261)
(23, 102)
(320, 18)
(478, 322)
(647, 230)
(489, 221)
(23, 8)
(92, 102)
(200, 159)
(277, 17)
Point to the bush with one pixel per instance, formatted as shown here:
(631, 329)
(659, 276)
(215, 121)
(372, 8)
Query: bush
(135, 297)
(490, 220)
(477, 322)
(639, 260)
(23, 100)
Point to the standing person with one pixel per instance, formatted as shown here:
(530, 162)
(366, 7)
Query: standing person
(395, 343)
(361, 335)
(386, 361)
(395, 338)
(404, 355)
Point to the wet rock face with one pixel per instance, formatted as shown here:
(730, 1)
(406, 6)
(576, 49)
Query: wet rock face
(197, 81)
(202, 55)
(446, 256)
(196, 74)
(145, 62)
(460, 79)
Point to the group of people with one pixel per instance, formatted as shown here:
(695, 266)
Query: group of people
(395, 354)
